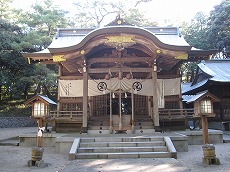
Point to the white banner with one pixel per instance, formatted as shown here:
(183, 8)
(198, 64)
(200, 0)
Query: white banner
(172, 86)
(165, 87)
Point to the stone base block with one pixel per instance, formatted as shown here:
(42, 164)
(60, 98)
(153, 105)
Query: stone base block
(39, 164)
(211, 161)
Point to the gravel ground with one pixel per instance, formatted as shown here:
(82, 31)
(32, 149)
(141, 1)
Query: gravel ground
(14, 159)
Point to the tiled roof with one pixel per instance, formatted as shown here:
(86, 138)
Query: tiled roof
(219, 70)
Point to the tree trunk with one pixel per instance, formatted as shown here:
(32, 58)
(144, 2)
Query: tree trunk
(26, 91)
(46, 91)
(38, 89)
(0, 93)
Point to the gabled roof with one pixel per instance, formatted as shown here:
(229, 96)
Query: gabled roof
(217, 70)
(41, 98)
(190, 87)
(196, 97)
(201, 95)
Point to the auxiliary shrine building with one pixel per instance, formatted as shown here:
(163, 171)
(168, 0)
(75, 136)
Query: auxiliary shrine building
(119, 78)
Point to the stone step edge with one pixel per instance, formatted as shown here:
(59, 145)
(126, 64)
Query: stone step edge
(121, 148)
(124, 155)
(120, 137)
(117, 153)
(126, 142)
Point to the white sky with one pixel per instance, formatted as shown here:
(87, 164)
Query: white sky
(159, 10)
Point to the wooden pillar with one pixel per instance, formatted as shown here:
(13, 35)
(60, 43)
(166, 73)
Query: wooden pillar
(205, 128)
(85, 100)
(132, 101)
(58, 98)
(39, 137)
(149, 106)
(120, 123)
(155, 98)
(110, 112)
(90, 106)
(180, 97)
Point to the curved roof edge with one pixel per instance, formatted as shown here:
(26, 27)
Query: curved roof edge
(121, 30)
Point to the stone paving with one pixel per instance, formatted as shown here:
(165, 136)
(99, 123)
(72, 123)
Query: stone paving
(11, 122)
(13, 158)
(6, 133)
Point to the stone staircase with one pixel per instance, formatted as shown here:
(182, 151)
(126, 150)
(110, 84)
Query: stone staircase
(143, 124)
(122, 147)
(100, 124)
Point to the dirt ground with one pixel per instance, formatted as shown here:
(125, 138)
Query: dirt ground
(14, 159)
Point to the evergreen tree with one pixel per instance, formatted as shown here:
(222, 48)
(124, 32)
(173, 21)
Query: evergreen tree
(219, 28)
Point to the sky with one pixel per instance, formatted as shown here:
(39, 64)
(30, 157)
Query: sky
(160, 10)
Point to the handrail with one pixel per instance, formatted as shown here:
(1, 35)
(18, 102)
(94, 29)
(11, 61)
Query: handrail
(66, 114)
(175, 113)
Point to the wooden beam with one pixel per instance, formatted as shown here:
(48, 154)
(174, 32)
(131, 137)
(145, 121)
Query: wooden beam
(47, 62)
(78, 100)
(120, 60)
(168, 76)
(70, 77)
(106, 70)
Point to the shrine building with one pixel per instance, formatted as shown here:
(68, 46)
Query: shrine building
(118, 78)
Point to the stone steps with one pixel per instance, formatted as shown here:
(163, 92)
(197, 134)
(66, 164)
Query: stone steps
(97, 124)
(144, 127)
(122, 139)
(122, 144)
(122, 147)
(66, 127)
(123, 155)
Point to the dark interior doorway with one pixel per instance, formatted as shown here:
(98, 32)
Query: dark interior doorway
(126, 106)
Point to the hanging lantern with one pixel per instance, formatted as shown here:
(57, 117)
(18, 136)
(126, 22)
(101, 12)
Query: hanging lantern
(107, 76)
(126, 95)
(129, 75)
(120, 77)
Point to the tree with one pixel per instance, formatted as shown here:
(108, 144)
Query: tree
(188, 71)
(135, 17)
(195, 32)
(39, 25)
(38, 30)
(17, 77)
(5, 9)
(12, 65)
(94, 13)
(219, 30)
(139, 1)
(41, 81)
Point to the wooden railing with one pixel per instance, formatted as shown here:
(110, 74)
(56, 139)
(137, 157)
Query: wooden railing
(175, 114)
(66, 114)
(164, 114)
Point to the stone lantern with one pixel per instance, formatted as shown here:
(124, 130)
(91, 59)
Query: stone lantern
(40, 111)
(203, 108)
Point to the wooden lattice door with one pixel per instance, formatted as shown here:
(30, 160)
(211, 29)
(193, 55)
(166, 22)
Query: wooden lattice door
(140, 105)
(100, 105)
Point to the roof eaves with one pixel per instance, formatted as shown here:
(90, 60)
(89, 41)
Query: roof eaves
(118, 30)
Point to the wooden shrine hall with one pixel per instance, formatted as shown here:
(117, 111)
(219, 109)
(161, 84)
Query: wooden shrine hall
(117, 78)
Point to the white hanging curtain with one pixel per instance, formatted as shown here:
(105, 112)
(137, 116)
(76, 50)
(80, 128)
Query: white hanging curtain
(165, 87)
